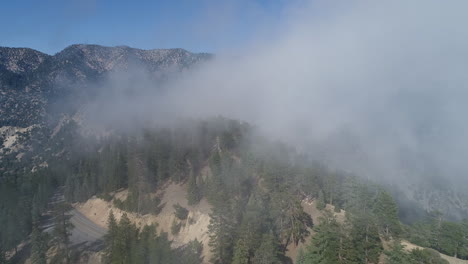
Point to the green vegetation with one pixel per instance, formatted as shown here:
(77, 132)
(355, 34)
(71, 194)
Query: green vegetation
(39, 246)
(62, 232)
(125, 243)
(256, 189)
(428, 256)
(180, 212)
(175, 227)
(446, 237)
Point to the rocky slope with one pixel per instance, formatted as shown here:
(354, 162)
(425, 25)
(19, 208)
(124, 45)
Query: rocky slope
(39, 90)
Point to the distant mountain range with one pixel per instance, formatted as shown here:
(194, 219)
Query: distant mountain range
(32, 82)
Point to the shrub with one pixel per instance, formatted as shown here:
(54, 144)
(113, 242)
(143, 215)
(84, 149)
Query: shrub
(180, 212)
(175, 227)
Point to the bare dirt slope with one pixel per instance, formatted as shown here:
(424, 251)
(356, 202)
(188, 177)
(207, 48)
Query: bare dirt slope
(196, 227)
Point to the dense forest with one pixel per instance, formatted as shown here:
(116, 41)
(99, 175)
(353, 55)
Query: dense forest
(255, 188)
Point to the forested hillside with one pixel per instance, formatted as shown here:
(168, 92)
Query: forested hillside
(255, 187)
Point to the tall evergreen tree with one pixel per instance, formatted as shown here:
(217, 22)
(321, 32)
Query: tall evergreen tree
(62, 229)
(291, 220)
(320, 203)
(241, 252)
(39, 246)
(125, 238)
(328, 245)
(193, 191)
(386, 211)
(365, 239)
(111, 238)
(222, 233)
(268, 252)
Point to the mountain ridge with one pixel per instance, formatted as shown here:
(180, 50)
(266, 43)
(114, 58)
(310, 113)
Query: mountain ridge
(31, 81)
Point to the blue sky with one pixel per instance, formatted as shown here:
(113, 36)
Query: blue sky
(196, 25)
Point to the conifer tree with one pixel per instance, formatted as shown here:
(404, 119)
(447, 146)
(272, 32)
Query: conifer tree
(241, 252)
(397, 254)
(268, 252)
(126, 237)
(62, 229)
(39, 246)
(328, 243)
(111, 237)
(292, 221)
(193, 191)
(386, 211)
(320, 204)
(365, 239)
(222, 233)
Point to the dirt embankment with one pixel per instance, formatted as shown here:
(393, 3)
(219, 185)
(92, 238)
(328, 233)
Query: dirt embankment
(195, 227)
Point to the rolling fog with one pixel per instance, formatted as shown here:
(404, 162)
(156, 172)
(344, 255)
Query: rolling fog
(378, 89)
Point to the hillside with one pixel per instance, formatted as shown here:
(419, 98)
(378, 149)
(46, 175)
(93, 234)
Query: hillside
(201, 190)
(196, 227)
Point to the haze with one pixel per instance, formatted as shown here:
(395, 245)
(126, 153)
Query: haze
(375, 88)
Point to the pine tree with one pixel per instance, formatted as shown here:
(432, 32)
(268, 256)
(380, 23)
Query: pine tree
(193, 191)
(111, 237)
(365, 238)
(386, 211)
(62, 229)
(39, 246)
(241, 252)
(221, 232)
(190, 254)
(268, 252)
(126, 237)
(321, 201)
(180, 212)
(397, 254)
(292, 222)
(327, 245)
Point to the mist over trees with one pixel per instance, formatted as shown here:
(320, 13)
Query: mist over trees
(256, 188)
(358, 109)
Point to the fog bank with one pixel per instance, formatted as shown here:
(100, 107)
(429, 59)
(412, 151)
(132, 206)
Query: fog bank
(376, 88)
